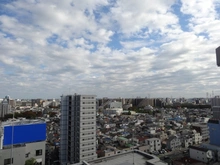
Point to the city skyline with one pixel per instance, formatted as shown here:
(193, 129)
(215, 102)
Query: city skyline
(109, 48)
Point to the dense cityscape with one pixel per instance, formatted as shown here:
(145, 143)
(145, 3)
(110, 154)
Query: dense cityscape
(110, 130)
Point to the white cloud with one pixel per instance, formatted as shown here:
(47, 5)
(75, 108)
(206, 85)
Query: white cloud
(108, 48)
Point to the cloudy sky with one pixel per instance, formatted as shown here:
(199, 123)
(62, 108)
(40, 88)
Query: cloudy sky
(110, 48)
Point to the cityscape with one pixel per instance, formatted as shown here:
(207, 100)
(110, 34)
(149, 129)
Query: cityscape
(86, 130)
(109, 82)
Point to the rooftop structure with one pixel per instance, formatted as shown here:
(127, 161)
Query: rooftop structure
(128, 158)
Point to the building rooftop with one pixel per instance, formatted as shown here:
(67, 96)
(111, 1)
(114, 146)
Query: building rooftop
(21, 121)
(127, 158)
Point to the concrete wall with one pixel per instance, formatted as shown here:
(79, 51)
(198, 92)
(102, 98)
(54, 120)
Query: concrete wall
(19, 153)
(198, 155)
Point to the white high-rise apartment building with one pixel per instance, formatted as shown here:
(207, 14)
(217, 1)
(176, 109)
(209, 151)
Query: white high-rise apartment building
(78, 128)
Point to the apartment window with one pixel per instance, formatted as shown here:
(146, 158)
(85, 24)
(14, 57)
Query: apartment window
(8, 161)
(38, 152)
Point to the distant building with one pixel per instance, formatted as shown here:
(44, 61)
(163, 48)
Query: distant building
(115, 104)
(115, 108)
(78, 128)
(215, 101)
(38, 102)
(21, 140)
(5, 107)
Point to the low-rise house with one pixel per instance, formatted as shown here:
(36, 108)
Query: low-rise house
(144, 148)
(173, 142)
(163, 136)
(187, 141)
(109, 151)
(151, 130)
(154, 143)
(171, 132)
(122, 141)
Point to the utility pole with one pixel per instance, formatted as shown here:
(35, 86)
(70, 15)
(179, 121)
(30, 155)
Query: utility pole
(12, 139)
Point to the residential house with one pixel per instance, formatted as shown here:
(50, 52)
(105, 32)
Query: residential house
(122, 141)
(154, 143)
(173, 142)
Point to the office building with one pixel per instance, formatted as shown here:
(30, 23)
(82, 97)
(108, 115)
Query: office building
(21, 140)
(78, 129)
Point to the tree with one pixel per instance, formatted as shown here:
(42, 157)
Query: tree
(30, 161)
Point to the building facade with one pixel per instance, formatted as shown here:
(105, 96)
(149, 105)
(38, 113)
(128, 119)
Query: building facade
(173, 143)
(200, 154)
(154, 143)
(21, 140)
(78, 128)
(203, 129)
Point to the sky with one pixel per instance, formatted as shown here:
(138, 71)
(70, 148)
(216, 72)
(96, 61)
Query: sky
(110, 48)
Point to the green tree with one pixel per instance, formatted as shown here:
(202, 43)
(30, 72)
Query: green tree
(30, 161)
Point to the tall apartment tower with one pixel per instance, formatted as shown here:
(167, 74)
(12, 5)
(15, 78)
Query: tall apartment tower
(78, 128)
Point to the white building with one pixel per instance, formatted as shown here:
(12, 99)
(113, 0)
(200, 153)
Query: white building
(78, 129)
(154, 143)
(197, 138)
(115, 108)
(115, 104)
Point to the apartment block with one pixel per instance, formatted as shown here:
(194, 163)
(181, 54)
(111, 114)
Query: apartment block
(78, 129)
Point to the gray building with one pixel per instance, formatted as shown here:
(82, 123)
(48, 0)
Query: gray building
(78, 128)
(5, 107)
(215, 101)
